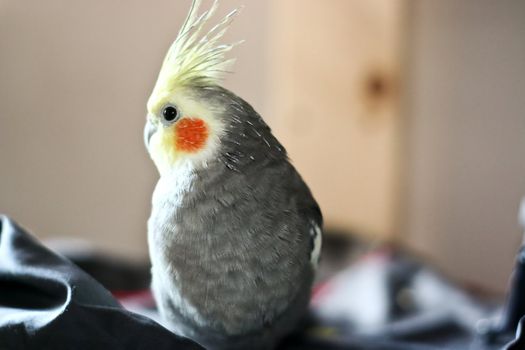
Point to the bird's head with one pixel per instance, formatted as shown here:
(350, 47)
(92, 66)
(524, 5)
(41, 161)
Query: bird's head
(183, 123)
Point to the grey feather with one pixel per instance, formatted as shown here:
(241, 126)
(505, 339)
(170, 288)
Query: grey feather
(231, 252)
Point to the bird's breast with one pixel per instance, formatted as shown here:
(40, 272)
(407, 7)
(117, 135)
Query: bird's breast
(228, 259)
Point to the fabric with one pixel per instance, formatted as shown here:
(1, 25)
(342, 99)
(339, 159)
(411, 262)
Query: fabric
(47, 302)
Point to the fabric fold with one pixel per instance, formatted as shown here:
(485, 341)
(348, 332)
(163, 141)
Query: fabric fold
(47, 302)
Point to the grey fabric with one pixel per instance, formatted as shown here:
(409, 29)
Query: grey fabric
(46, 302)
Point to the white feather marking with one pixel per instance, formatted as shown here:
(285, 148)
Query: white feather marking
(315, 233)
(163, 283)
(522, 213)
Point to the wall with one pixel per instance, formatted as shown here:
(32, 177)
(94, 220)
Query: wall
(74, 80)
(466, 168)
(75, 76)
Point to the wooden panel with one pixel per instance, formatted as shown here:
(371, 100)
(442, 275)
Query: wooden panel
(335, 104)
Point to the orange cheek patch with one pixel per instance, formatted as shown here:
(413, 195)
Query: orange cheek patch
(191, 134)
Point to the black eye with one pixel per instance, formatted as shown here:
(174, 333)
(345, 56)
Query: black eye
(170, 113)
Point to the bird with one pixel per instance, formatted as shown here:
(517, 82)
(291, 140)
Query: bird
(234, 234)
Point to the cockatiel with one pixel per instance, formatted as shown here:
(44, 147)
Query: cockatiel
(234, 234)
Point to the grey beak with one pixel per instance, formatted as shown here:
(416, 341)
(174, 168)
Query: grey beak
(149, 130)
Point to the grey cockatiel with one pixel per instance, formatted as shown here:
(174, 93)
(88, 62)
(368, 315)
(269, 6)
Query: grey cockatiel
(234, 234)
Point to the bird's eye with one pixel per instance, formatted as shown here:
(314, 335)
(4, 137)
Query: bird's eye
(170, 114)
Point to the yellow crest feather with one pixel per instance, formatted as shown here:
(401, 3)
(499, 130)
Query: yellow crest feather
(197, 58)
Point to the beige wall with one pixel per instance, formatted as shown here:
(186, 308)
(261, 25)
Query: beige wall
(75, 76)
(74, 79)
(466, 102)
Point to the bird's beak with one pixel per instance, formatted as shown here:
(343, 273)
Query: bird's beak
(149, 130)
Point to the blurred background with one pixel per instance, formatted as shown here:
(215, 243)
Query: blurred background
(406, 118)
